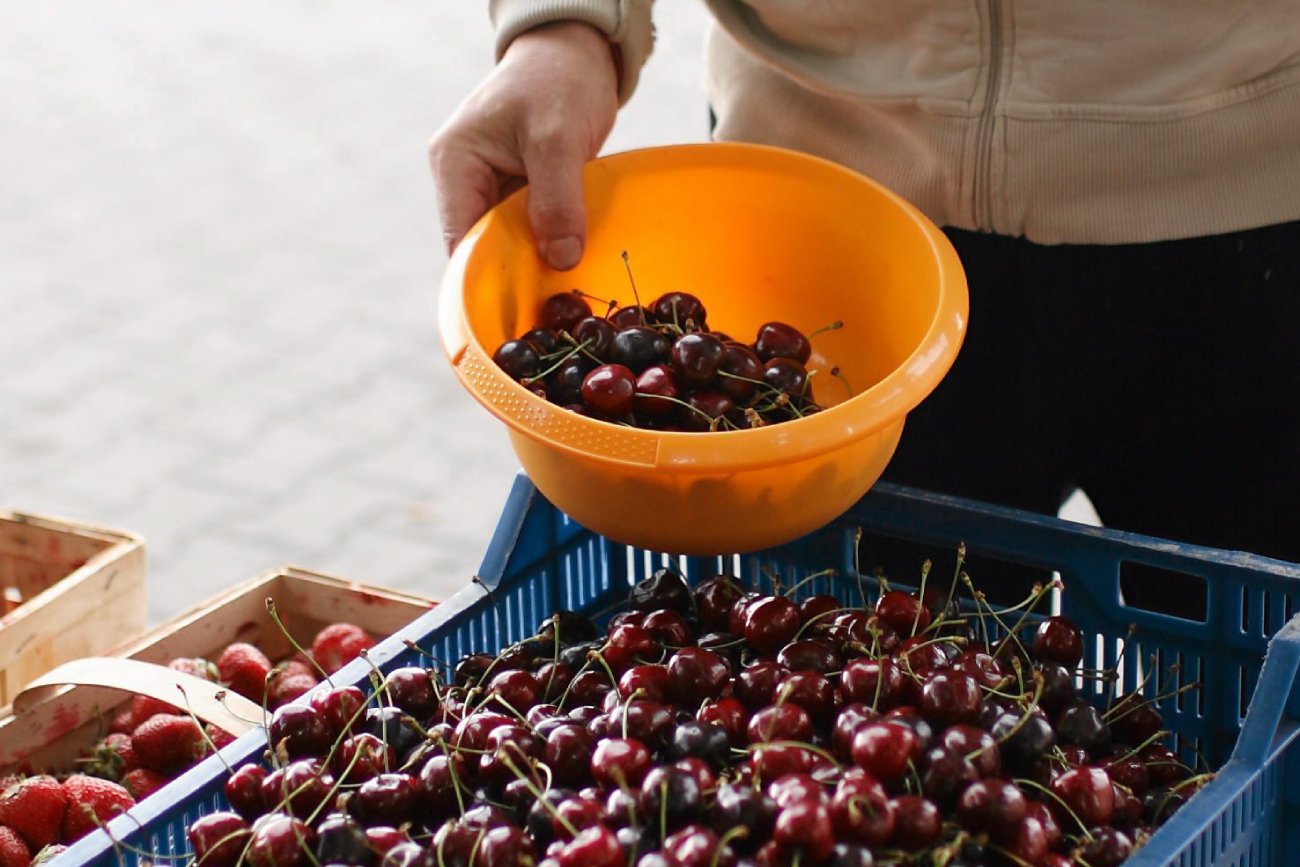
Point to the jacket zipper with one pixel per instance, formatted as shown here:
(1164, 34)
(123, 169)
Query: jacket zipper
(983, 187)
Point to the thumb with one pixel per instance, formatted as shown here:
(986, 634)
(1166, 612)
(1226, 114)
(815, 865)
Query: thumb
(555, 206)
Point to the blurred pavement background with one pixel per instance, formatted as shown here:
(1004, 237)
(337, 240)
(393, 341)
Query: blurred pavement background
(219, 255)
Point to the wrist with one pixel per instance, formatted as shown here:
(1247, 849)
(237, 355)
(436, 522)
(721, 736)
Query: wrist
(588, 39)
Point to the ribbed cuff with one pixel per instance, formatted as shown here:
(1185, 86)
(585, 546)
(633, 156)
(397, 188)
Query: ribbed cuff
(626, 23)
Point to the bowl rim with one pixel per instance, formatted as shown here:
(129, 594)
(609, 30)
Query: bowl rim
(884, 403)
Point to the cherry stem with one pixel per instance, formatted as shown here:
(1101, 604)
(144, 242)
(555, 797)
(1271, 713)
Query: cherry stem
(539, 795)
(577, 347)
(1026, 781)
(275, 617)
(920, 595)
(610, 303)
(203, 730)
(825, 573)
(627, 265)
(739, 831)
(857, 564)
(832, 326)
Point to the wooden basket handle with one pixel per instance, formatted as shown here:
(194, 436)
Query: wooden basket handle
(210, 702)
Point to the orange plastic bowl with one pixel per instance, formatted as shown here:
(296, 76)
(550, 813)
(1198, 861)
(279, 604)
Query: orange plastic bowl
(758, 234)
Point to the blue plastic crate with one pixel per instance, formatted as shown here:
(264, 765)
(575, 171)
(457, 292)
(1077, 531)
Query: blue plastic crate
(539, 561)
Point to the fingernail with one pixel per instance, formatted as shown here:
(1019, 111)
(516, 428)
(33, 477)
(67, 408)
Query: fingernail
(562, 253)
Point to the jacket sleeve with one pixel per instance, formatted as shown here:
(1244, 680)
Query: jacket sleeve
(626, 23)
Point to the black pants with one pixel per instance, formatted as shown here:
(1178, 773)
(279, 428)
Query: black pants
(1159, 378)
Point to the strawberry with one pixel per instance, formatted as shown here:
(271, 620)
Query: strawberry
(244, 668)
(286, 686)
(144, 706)
(13, 851)
(112, 757)
(220, 737)
(338, 644)
(168, 743)
(142, 782)
(196, 666)
(297, 665)
(34, 808)
(91, 803)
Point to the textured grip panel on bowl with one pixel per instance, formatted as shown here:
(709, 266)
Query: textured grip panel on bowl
(553, 423)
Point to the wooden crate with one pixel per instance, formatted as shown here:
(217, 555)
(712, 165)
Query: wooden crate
(53, 733)
(69, 589)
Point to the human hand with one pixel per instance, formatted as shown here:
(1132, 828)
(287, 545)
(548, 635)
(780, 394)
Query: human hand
(539, 117)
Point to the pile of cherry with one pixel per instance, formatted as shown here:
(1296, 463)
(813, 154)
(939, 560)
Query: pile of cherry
(717, 727)
(660, 367)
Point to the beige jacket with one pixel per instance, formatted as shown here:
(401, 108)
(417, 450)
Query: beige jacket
(1065, 121)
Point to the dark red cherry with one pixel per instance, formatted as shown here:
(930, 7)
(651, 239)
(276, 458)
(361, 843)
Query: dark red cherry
(917, 822)
(945, 774)
(1133, 719)
(668, 626)
(811, 691)
(563, 311)
(877, 683)
(568, 754)
(663, 589)
(361, 757)
(218, 839)
(862, 812)
(244, 791)
(884, 749)
(787, 376)
(1109, 847)
(1082, 725)
(679, 308)
(705, 410)
(780, 722)
(672, 794)
(565, 382)
(770, 623)
(700, 740)
(631, 316)
(1130, 772)
(696, 357)
(850, 718)
(619, 762)
(994, 807)
(280, 841)
(949, 697)
(651, 681)
(756, 685)
(638, 347)
(778, 340)
(714, 599)
(505, 847)
(518, 358)
(809, 655)
(594, 847)
(299, 730)
(905, 612)
(820, 610)
(341, 707)
(596, 336)
(740, 372)
(543, 340)
(609, 389)
(728, 714)
(697, 675)
(975, 744)
(1089, 795)
(630, 645)
(805, 827)
(1059, 640)
(388, 799)
(737, 805)
(340, 839)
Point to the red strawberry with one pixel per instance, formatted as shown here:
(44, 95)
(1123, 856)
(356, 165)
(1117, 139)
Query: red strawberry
(142, 782)
(338, 644)
(91, 803)
(168, 743)
(220, 737)
(299, 666)
(286, 686)
(13, 851)
(244, 669)
(112, 757)
(34, 808)
(144, 706)
(196, 666)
